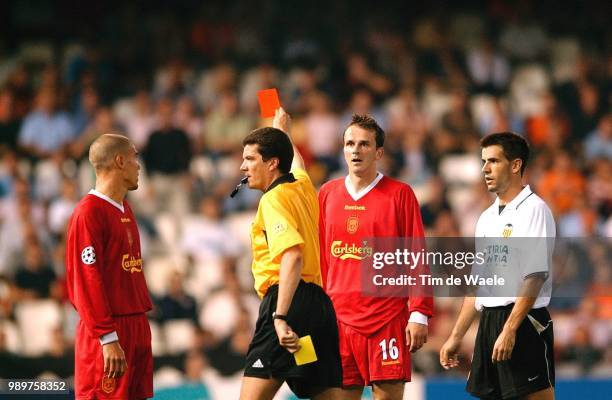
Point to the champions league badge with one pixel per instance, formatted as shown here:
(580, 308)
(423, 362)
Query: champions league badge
(88, 255)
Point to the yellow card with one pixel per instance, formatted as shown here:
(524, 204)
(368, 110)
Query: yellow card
(306, 354)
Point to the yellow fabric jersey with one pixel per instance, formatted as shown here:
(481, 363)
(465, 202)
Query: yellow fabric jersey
(288, 215)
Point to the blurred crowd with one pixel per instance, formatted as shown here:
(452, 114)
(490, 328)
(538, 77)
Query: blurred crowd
(183, 88)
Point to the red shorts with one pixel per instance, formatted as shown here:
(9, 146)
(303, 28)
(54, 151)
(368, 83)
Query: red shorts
(137, 382)
(382, 356)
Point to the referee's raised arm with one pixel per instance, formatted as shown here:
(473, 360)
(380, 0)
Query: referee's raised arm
(282, 121)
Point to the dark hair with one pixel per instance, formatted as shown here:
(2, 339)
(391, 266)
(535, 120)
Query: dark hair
(369, 124)
(513, 146)
(272, 143)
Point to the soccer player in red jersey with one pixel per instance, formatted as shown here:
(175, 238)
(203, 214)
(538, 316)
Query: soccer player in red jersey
(106, 284)
(376, 333)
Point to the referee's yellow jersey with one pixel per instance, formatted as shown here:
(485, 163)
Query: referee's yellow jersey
(288, 215)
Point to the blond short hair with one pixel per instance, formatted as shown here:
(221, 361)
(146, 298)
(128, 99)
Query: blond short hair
(103, 150)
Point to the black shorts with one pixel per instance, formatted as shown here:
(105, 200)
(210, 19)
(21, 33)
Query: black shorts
(530, 368)
(311, 313)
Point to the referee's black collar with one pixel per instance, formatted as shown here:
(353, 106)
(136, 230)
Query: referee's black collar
(286, 178)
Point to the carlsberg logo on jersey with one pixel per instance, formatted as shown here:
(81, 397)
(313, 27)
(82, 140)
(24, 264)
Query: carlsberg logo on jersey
(345, 250)
(131, 263)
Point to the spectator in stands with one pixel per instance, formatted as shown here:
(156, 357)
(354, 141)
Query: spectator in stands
(362, 102)
(176, 304)
(590, 107)
(35, 278)
(445, 225)
(46, 129)
(195, 365)
(599, 187)
(322, 127)
(436, 202)
(193, 382)
(213, 83)
(173, 80)
(523, 39)
(139, 120)
(227, 356)
(495, 118)
(23, 221)
(600, 290)
(3, 345)
(588, 334)
(166, 156)
(405, 115)
(488, 67)
(225, 126)
(47, 177)
(549, 128)
(580, 221)
(560, 184)
(61, 208)
(415, 164)
(206, 236)
(9, 163)
(59, 345)
(299, 83)
(186, 118)
(361, 74)
(406, 133)
(9, 124)
(262, 76)
(459, 122)
(102, 122)
(598, 143)
(85, 109)
(19, 83)
(581, 350)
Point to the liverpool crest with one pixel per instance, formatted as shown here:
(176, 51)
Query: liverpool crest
(352, 223)
(108, 384)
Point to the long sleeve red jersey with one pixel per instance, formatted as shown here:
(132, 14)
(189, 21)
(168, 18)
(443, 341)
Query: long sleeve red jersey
(104, 267)
(387, 208)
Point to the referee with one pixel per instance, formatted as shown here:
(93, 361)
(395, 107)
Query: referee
(513, 354)
(287, 274)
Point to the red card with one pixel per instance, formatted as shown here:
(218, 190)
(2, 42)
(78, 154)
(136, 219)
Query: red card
(268, 102)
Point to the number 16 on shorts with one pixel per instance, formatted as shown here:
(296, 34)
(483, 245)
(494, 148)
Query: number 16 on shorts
(390, 351)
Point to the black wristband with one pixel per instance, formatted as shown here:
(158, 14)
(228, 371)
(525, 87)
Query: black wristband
(279, 316)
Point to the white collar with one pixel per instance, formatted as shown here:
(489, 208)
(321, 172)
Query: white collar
(517, 200)
(358, 195)
(105, 197)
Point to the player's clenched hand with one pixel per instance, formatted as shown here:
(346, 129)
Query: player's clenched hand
(114, 360)
(448, 353)
(416, 336)
(286, 337)
(502, 350)
(281, 120)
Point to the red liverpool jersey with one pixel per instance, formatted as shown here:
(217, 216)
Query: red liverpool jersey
(387, 208)
(104, 264)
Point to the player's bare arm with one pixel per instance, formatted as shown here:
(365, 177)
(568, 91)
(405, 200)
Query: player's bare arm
(282, 121)
(289, 278)
(502, 350)
(450, 349)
